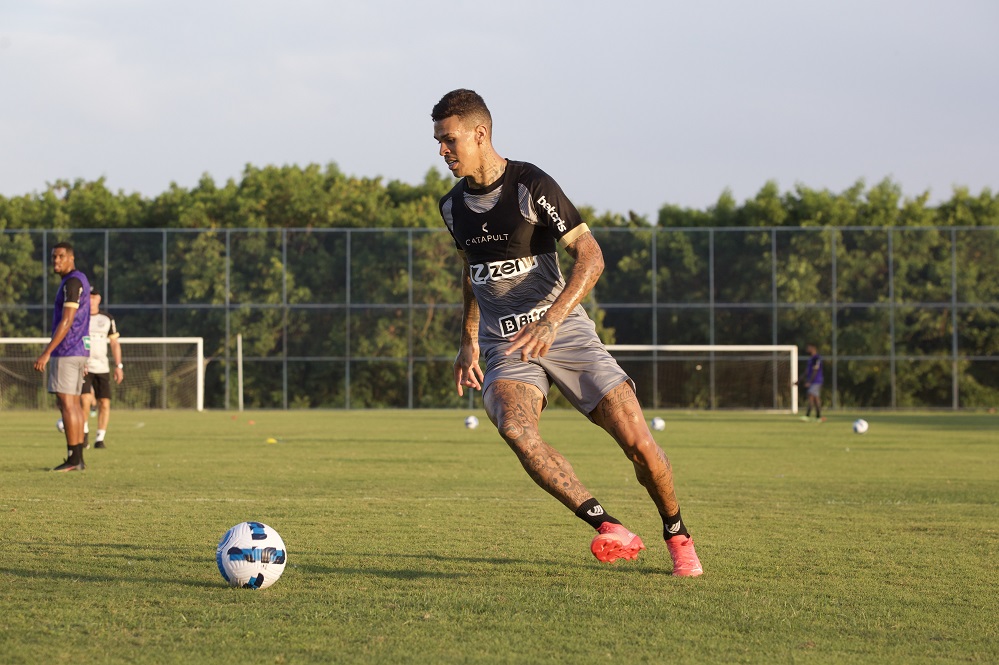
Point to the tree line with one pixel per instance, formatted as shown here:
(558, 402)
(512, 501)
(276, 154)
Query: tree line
(780, 267)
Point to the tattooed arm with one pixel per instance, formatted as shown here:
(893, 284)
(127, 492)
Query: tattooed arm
(534, 339)
(466, 365)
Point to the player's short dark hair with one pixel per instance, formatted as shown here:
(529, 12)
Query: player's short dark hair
(466, 104)
(63, 245)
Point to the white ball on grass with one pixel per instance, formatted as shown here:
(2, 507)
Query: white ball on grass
(471, 422)
(860, 426)
(251, 555)
(658, 424)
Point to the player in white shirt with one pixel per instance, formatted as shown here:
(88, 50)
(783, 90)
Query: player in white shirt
(97, 383)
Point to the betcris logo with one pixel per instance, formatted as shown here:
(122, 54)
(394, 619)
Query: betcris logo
(511, 323)
(481, 273)
(550, 209)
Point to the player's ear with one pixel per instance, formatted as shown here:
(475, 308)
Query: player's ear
(481, 134)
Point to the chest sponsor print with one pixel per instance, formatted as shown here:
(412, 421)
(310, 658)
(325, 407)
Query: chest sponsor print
(482, 273)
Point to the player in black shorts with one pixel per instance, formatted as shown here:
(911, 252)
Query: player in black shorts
(527, 323)
(103, 336)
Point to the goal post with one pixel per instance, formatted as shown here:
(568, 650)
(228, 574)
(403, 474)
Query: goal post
(712, 376)
(160, 373)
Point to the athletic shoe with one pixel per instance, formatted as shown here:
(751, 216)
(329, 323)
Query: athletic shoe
(685, 561)
(99, 444)
(69, 466)
(614, 542)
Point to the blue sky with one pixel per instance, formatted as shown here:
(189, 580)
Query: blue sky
(628, 105)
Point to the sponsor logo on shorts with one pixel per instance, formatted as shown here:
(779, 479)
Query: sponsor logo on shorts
(511, 323)
(550, 209)
(482, 273)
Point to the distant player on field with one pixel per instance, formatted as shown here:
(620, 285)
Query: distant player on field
(506, 218)
(813, 382)
(97, 383)
(66, 354)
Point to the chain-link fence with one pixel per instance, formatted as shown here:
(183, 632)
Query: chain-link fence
(367, 318)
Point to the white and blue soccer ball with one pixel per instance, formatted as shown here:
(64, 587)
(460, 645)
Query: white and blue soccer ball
(251, 555)
(471, 422)
(860, 426)
(658, 424)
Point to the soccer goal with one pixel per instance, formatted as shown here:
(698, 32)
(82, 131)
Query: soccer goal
(160, 373)
(713, 376)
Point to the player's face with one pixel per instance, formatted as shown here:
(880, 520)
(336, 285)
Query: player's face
(95, 303)
(459, 145)
(62, 261)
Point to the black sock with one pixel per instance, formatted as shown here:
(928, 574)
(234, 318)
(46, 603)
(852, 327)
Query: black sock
(818, 412)
(674, 526)
(593, 514)
(76, 454)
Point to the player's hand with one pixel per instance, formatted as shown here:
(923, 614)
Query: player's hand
(534, 339)
(119, 375)
(41, 362)
(467, 372)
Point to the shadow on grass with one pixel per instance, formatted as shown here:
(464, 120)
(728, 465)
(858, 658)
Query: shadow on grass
(60, 576)
(122, 556)
(466, 567)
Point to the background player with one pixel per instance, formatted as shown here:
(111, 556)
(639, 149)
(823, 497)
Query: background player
(103, 333)
(66, 354)
(813, 382)
(506, 218)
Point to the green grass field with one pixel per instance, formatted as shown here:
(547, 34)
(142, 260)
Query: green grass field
(414, 540)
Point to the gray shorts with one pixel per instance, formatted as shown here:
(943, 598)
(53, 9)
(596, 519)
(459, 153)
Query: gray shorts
(578, 363)
(815, 389)
(66, 374)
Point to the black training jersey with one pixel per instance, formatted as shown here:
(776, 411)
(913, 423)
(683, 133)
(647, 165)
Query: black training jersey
(509, 232)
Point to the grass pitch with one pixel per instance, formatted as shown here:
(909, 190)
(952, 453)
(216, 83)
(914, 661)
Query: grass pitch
(414, 540)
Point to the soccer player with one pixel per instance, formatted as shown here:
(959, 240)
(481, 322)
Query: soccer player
(520, 313)
(813, 382)
(97, 383)
(66, 353)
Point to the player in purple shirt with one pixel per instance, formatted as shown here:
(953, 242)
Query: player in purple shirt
(813, 382)
(67, 353)
(507, 219)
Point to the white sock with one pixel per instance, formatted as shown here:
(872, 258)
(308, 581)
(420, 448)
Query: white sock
(100, 434)
(86, 427)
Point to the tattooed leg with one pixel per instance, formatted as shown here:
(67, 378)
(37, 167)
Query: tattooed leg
(620, 414)
(515, 409)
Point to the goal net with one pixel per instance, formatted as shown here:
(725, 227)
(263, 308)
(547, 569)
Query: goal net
(712, 376)
(160, 373)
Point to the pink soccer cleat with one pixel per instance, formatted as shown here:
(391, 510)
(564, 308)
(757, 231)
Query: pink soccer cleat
(614, 542)
(685, 561)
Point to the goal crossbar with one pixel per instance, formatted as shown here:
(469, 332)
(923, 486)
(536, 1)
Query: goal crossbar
(198, 342)
(658, 354)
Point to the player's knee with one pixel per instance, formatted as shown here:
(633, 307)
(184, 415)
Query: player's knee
(517, 435)
(644, 452)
